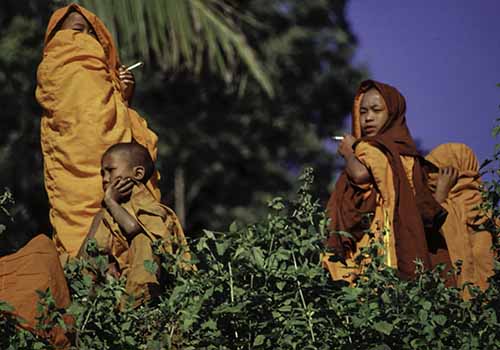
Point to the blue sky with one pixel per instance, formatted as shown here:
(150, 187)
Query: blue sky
(444, 56)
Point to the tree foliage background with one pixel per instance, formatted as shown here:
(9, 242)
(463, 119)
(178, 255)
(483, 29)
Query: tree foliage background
(232, 143)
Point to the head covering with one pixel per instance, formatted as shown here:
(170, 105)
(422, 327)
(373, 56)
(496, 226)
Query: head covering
(103, 35)
(414, 216)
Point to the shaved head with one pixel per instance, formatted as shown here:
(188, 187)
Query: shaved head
(135, 154)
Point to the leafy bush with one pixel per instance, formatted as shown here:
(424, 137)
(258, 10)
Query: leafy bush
(263, 287)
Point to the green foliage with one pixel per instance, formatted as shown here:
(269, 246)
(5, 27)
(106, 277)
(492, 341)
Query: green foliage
(6, 201)
(182, 34)
(222, 135)
(22, 27)
(262, 287)
(255, 146)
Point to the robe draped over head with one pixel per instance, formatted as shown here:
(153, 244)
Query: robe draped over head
(84, 113)
(465, 238)
(414, 215)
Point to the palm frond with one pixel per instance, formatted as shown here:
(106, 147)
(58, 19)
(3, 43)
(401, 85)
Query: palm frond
(182, 34)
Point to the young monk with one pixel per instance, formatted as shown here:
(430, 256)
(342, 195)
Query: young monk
(132, 219)
(85, 94)
(387, 178)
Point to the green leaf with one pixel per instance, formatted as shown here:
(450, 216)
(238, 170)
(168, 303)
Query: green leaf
(383, 327)
(259, 340)
(258, 256)
(426, 305)
(439, 319)
(233, 227)
(151, 266)
(422, 316)
(221, 247)
(5, 306)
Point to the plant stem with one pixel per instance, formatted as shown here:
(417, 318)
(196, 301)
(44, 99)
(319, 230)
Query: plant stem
(308, 316)
(231, 291)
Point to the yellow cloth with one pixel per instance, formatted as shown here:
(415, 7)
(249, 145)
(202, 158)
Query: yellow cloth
(34, 267)
(378, 165)
(84, 113)
(464, 239)
(157, 222)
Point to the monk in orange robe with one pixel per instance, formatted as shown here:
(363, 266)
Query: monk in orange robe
(420, 208)
(34, 266)
(466, 241)
(85, 94)
(132, 219)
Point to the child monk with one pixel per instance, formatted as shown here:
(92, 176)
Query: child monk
(132, 219)
(387, 178)
(85, 95)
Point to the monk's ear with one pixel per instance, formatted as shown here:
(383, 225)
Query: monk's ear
(139, 172)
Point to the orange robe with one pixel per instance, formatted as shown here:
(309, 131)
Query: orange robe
(84, 113)
(463, 238)
(157, 222)
(378, 165)
(34, 267)
(465, 241)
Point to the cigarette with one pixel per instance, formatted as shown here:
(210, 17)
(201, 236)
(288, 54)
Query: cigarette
(135, 65)
(338, 138)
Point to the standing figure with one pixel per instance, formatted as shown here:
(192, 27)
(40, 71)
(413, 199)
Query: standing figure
(85, 94)
(466, 240)
(384, 189)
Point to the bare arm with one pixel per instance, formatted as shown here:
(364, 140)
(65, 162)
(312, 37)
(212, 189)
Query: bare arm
(356, 171)
(114, 195)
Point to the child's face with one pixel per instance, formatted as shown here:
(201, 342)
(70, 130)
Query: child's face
(373, 113)
(115, 165)
(77, 22)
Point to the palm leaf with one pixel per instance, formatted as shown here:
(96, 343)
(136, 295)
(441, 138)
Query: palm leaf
(182, 34)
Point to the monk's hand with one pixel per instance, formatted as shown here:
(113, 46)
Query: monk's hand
(119, 190)
(447, 178)
(128, 80)
(345, 146)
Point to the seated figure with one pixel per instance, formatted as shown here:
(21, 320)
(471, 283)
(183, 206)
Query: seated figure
(131, 219)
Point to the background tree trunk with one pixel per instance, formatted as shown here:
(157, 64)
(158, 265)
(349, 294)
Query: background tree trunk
(179, 195)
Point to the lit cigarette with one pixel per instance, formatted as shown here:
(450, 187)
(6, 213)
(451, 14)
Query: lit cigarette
(135, 65)
(338, 138)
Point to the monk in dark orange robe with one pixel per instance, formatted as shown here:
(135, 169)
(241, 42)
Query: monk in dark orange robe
(85, 94)
(34, 266)
(414, 203)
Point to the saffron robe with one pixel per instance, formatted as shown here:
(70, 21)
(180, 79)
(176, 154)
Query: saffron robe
(465, 239)
(34, 267)
(157, 222)
(84, 113)
(382, 221)
(399, 196)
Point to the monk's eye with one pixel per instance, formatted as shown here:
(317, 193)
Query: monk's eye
(78, 27)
